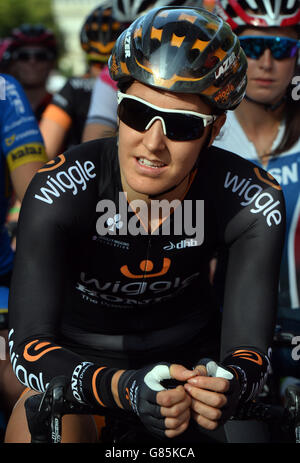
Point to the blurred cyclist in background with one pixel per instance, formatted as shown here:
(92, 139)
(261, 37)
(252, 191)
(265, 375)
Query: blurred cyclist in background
(31, 57)
(63, 121)
(22, 153)
(265, 129)
(4, 53)
(102, 114)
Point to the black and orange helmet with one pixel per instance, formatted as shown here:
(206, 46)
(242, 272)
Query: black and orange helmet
(186, 50)
(100, 32)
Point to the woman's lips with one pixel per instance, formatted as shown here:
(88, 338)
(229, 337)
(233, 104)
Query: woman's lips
(152, 167)
(264, 82)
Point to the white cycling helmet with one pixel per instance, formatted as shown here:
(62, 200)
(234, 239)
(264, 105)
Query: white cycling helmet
(259, 13)
(129, 10)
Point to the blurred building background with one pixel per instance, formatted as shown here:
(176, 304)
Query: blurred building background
(69, 16)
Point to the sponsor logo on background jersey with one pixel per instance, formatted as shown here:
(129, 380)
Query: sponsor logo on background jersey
(31, 152)
(286, 174)
(19, 136)
(20, 121)
(12, 94)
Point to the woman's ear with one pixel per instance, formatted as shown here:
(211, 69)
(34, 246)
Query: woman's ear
(217, 125)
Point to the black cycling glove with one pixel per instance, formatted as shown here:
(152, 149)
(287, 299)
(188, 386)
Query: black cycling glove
(137, 392)
(233, 394)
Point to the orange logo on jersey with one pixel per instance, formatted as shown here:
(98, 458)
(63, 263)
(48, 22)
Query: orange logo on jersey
(147, 266)
(127, 395)
(270, 181)
(39, 349)
(94, 386)
(54, 164)
(248, 355)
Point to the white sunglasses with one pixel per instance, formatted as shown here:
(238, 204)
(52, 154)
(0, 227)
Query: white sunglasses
(178, 124)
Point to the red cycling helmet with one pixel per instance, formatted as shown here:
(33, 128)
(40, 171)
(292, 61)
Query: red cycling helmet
(33, 34)
(100, 32)
(259, 13)
(129, 10)
(4, 47)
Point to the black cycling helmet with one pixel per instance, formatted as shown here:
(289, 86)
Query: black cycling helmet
(129, 10)
(185, 50)
(259, 13)
(33, 34)
(100, 32)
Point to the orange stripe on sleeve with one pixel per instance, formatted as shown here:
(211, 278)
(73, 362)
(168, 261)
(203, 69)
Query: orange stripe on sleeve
(58, 115)
(94, 386)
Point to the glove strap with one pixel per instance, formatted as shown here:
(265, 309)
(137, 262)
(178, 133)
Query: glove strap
(252, 368)
(91, 384)
(127, 390)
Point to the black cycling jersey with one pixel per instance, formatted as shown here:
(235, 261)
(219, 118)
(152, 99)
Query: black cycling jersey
(74, 100)
(78, 293)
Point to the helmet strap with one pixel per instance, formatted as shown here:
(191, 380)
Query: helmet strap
(267, 106)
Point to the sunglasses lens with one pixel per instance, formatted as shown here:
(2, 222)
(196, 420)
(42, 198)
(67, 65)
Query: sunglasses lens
(179, 127)
(280, 47)
(183, 127)
(41, 56)
(253, 48)
(134, 114)
(23, 56)
(27, 55)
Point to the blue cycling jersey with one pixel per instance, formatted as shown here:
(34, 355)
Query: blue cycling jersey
(20, 142)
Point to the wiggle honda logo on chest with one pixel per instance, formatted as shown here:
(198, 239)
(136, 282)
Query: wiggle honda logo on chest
(73, 179)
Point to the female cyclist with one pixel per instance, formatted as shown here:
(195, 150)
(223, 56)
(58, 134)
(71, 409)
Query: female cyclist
(111, 281)
(265, 130)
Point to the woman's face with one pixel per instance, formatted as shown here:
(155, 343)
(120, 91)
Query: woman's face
(150, 162)
(268, 77)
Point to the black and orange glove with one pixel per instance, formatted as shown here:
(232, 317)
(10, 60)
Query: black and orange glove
(137, 391)
(216, 370)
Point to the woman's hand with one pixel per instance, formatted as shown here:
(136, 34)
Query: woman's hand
(176, 403)
(208, 395)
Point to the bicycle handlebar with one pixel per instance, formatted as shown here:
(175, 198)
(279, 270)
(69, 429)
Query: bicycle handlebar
(44, 414)
(292, 399)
